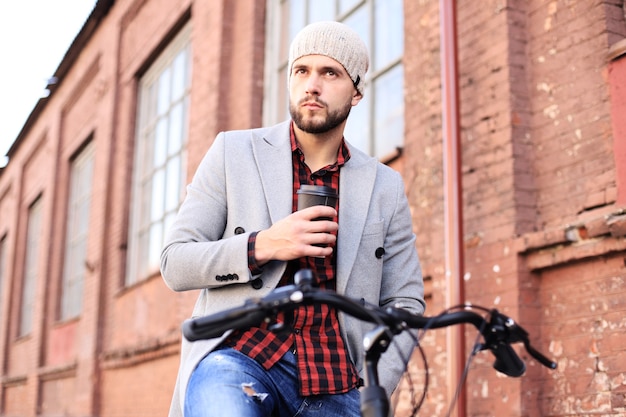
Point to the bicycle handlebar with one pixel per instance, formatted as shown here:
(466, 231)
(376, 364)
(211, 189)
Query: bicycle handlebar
(498, 331)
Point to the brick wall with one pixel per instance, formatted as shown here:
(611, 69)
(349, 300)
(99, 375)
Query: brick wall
(537, 158)
(543, 218)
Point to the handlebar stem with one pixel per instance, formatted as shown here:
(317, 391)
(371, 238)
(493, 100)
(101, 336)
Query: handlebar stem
(374, 400)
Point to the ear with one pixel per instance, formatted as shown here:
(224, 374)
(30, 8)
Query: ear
(356, 97)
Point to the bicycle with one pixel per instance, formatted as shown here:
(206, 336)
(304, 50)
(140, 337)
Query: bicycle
(497, 330)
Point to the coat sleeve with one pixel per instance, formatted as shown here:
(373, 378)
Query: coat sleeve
(198, 253)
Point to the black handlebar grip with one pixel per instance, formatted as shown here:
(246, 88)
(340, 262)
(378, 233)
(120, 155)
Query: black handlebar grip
(203, 328)
(507, 360)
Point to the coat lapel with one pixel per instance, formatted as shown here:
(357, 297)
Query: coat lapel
(356, 183)
(272, 153)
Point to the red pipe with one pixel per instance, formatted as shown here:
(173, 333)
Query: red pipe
(454, 264)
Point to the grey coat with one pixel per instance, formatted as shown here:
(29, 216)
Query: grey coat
(244, 184)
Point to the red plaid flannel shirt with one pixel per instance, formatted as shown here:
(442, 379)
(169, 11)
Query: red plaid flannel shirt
(313, 331)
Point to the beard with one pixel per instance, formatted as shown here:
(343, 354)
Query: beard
(332, 120)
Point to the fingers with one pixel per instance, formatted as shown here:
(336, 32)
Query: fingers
(319, 238)
(316, 212)
(316, 226)
(298, 235)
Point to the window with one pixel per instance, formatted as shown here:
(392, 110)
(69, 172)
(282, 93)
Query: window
(29, 282)
(160, 171)
(376, 124)
(79, 208)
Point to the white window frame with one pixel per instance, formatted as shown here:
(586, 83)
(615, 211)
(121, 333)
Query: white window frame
(153, 208)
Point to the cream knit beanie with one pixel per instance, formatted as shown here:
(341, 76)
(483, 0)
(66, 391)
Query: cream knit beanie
(334, 40)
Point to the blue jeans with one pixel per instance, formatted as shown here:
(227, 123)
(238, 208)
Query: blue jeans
(227, 383)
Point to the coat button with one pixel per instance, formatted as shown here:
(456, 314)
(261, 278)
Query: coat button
(379, 252)
(239, 230)
(257, 283)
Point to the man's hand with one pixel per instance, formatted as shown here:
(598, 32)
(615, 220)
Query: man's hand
(294, 236)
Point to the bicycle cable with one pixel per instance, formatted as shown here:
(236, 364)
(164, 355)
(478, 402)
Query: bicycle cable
(466, 369)
(417, 406)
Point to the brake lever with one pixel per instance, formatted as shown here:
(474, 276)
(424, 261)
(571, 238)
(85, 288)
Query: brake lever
(504, 330)
(539, 356)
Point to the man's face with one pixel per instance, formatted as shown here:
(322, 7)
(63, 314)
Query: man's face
(321, 94)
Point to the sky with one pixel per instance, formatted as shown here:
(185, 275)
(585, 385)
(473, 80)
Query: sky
(34, 37)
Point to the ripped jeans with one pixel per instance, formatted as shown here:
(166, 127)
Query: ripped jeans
(227, 383)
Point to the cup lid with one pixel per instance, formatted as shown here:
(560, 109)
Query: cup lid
(317, 190)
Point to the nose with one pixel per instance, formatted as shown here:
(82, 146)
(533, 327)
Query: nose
(313, 85)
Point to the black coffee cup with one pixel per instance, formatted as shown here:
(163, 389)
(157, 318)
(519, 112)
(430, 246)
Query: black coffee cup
(316, 195)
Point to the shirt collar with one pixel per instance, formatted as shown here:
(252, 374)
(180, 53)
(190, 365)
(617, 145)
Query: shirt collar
(343, 153)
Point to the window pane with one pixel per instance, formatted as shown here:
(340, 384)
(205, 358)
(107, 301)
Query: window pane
(283, 95)
(346, 5)
(358, 127)
(389, 122)
(158, 195)
(79, 209)
(176, 129)
(163, 100)
(297, 17)
(156, 244)
(150, 103)
(179, 76)
(389, 40)
(321, 10)
(29, 283)
(146, 203)
(169, 220)
(173, 187)
(359, 21)
(84, 206)
(160, 142)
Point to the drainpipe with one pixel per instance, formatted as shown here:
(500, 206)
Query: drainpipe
(453, 201)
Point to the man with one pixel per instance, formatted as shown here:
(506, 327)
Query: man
(239, 235)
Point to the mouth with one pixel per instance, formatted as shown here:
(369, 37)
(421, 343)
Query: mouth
(311, 104)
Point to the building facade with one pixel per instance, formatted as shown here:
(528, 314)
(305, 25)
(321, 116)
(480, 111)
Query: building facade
(87, 326)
